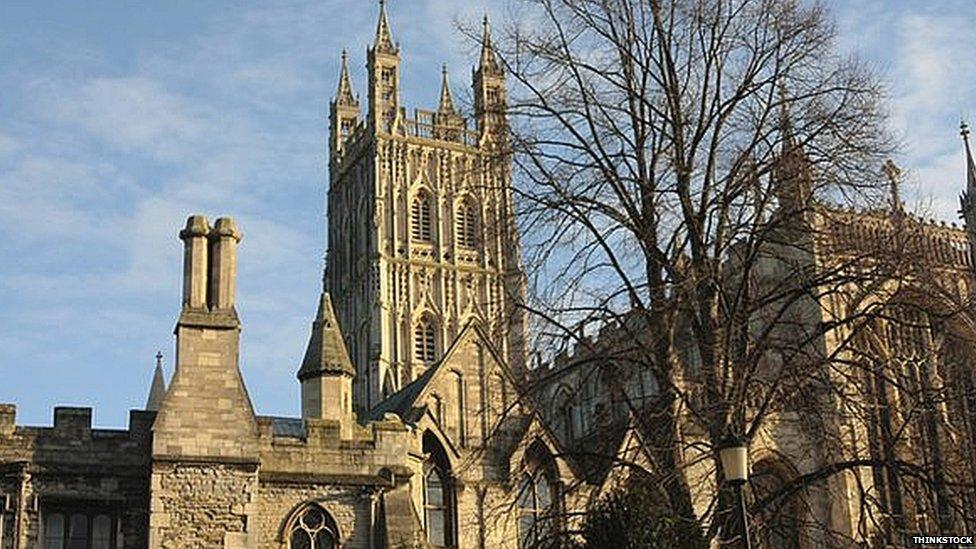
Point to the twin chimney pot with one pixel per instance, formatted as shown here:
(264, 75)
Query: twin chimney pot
(209, 263)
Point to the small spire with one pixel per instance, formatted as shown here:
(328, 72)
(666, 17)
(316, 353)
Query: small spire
(447, 102)
(970, 165)
(384, 38)
(158, 388)
(345, 96)
(488, 61)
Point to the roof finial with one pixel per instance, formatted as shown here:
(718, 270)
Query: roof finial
(447, 101)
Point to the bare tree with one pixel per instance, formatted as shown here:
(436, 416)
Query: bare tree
(682, 169)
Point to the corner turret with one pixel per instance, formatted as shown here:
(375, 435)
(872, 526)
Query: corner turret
(327, 373)
(343, 112)
(383, 66)
(490, 96)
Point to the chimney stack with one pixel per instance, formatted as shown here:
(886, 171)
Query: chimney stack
(224, 238)
(194, 238)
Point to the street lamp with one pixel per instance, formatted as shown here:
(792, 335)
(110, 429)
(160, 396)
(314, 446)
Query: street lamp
(734, 454)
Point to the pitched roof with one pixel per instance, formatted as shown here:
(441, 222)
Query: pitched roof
(404, 402)
(326, 352)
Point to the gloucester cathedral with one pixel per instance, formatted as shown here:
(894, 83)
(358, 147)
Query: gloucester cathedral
(417, 425)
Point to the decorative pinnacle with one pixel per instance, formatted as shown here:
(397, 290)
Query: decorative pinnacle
(384, 38)
(447, 102)
(159, 358)
(345, 96)
(488, 61)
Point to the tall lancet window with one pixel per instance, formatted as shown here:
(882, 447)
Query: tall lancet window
(466, 224)
(421, 220)
(439, 507)
(537, 499)
(425, 340)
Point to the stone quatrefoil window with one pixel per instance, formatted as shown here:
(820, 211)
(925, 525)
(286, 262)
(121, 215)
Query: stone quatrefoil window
(313, 529)
(78, 529)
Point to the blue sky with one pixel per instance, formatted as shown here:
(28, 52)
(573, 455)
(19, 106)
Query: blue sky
(119, 119)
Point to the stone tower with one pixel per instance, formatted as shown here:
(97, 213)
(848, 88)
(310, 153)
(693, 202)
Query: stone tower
(420, 233)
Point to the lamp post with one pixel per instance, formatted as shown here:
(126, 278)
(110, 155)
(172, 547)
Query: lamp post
(734, 454)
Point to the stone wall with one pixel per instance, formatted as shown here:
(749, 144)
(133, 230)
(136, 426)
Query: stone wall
(202, 505)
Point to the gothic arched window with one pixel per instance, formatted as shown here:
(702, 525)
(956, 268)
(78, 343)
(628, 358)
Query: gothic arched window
(425, 341)
(313, 528)
(778, 525)
(563, 411)
(537, 502)
(388, 386)
(466, 224)
(421, 219)
(439, 510)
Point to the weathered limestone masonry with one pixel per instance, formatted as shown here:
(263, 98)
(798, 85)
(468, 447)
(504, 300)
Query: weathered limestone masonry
(44, 468)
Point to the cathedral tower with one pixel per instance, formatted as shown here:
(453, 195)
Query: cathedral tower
(421, 240)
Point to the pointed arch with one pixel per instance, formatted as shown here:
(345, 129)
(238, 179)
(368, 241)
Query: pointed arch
(564, 411)
(422, 216)
(439, 501)
(467, 222)
(426, 339)
(311, 526)
(538, 499)
(780, 525)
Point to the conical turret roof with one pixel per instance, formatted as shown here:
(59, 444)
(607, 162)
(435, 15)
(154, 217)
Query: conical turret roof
(326, 352)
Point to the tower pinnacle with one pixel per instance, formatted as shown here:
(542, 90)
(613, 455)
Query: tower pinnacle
(345, 95)
(488, 61)
(384, 38)
(447, 102)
